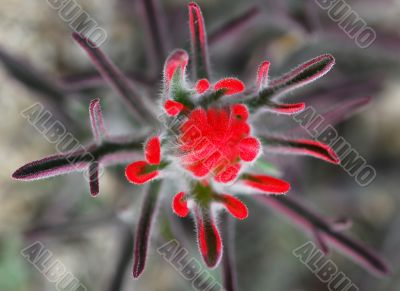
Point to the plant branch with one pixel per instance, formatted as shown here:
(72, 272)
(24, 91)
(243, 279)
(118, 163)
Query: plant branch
(328, 233)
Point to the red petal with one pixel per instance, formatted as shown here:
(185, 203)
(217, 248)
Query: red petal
(316, 149)
(176, 59)
(199, 169)
(262, 75)
(267, 184)
(209, 240)
(202, 86)
(153, 150)
(286, 108)
(179, 205)
(230, 85)
(249, 148)
(204, 149)
(136, 173)
(235, 207)
(240, 128)
(240, 111)
(202, 168)
(305, 147)
(173, 108)
(228, 174)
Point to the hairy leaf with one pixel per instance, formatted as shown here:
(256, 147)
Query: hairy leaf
(143, 230)
(198, 42)
(299, 77)
(302, 147)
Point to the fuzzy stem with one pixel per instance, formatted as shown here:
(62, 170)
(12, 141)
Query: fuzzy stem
(313, 222)
(62, 163)
(228, 259)
(147, 216)
(234, 25)
(155, 24)
(136, 103)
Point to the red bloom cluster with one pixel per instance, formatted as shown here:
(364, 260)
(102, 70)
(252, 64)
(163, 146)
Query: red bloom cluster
(214, 145)
(216, 140)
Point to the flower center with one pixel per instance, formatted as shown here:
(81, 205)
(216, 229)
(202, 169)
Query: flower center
(216, 141)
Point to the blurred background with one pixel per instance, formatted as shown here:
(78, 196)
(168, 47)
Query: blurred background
(92, 237)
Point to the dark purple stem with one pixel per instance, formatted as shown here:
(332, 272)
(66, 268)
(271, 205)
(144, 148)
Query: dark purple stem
(156, 27)
(90, 80)
(94, 178)
(50, 93)
(70, 228)
(313, 222)
(149, 208)
(124, 260)
(234, 25)
(74, 160)
(229, 274)
(136, 103)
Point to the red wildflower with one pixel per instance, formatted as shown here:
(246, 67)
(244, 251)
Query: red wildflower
(214, 143)
(217, 141)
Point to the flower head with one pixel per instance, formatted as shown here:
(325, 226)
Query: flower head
(217, 141)
(208, 137)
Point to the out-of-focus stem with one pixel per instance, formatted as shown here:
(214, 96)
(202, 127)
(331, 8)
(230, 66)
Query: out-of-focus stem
(314, 223)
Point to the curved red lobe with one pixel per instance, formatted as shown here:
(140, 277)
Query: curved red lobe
(198, 169)
(153, 151)
(235, 207)
(240, 111)
(136, 173)
(176, 59)
(179, 205)
(307, 147)
(209, 240)
(249, 148)
(203, 167)
(267, 184)
(230, 85)
(288, 108)
(173, 108)
(228, 174)
(317, 149)
(202, 86)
